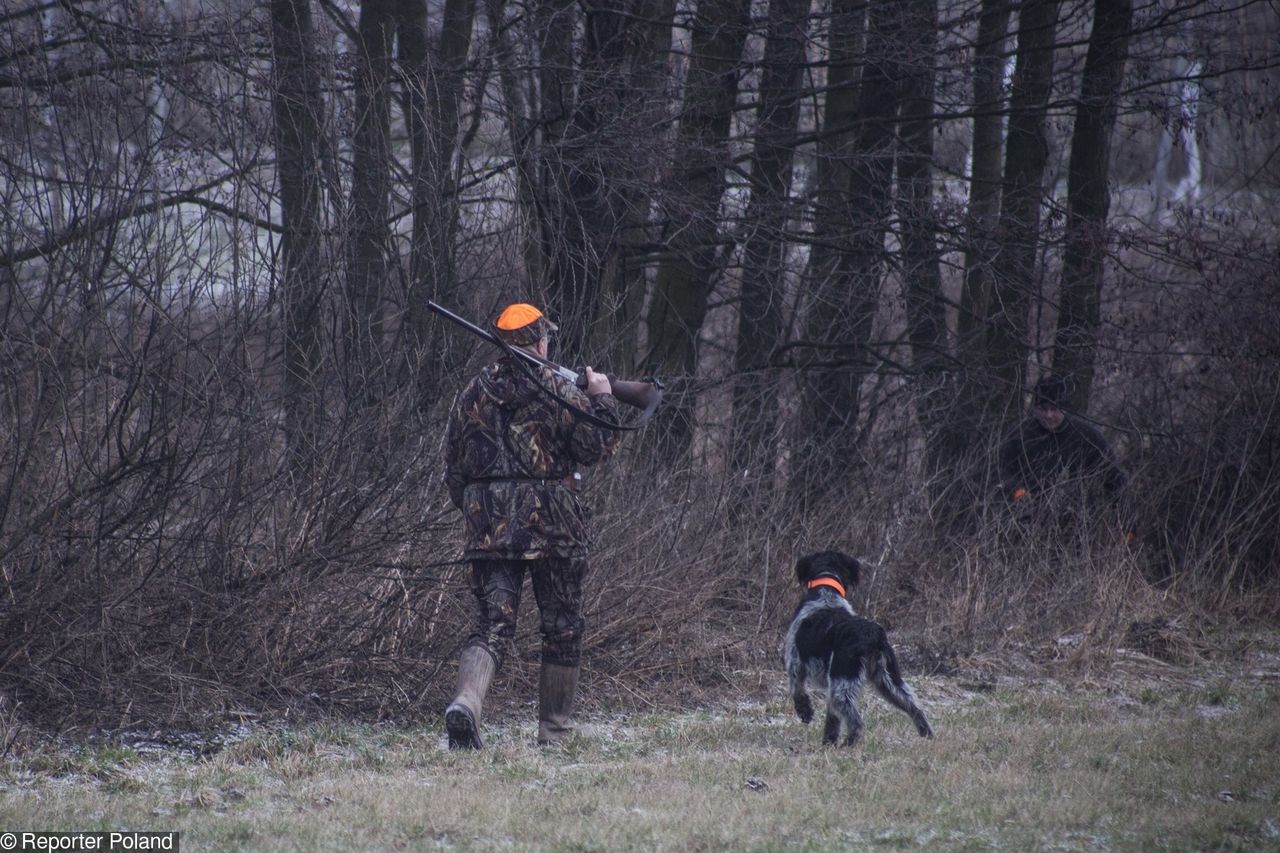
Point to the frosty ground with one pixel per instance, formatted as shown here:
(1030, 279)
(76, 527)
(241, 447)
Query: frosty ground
(1166, 758)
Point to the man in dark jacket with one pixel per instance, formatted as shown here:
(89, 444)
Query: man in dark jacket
(1051, 447)
(512, 459)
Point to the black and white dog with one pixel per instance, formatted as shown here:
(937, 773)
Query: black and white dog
(838, 652)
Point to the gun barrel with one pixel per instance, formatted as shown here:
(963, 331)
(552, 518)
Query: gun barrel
(461, 321)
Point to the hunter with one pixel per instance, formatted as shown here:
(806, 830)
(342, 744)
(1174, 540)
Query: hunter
(512, 457)
(1051, 446)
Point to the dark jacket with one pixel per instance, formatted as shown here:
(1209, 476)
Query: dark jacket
(1035, 459)
(511, 464)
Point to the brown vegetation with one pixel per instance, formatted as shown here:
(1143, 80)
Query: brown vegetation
(221, 399)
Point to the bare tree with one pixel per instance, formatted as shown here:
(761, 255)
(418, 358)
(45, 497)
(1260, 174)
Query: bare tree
(926, 309)
(1022, 196)
(1089, 198)
(691, 208)
(643, 93)
(964, 425)
(369, 205)
(764, 251)
(844, 289)
(985, 152)
(298, 112)
(433, 85)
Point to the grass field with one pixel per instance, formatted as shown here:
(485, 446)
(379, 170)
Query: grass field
(1025, 764)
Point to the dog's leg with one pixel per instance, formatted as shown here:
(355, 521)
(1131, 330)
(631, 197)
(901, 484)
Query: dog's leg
(831, 730)
(843, 703)
(804, 707)
(889, 684)
(855, 728)
(799, 693)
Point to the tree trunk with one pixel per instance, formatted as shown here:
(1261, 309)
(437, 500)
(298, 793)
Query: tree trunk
(648, 47)
(555, 281)
(579, 176)
(367, 219)
(433, 95)
(926, 315)
(845, 283)
(1026, 155)
(964, 425)
(765, 249)
(984, 175)
(686, 274)
(297, 108)
(1088, 199)
(583, 151)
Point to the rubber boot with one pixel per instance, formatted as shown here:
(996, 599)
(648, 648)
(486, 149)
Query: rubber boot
(557, 686)
(462, 718)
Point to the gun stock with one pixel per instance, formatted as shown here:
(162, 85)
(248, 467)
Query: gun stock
(638, 394)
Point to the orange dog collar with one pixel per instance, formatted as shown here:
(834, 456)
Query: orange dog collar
(831, 582)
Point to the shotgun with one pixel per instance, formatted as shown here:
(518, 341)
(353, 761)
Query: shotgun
(644, 394)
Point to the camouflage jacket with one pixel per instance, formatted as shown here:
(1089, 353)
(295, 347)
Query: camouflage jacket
(511, 461)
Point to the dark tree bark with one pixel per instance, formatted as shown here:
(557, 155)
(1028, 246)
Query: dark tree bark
(765, 248)
(433, 95)
(1026, 155)
(579, 176)
(964, 428)
(298, 108)
(926, 315)
(550, 214)
(1088, 199)
(686, 273)
(648, 48)
(844, 287)
(584, 153)
(986, 153)
(370, 185)
(833, 208)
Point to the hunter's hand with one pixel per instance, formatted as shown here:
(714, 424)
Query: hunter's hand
(597, 383)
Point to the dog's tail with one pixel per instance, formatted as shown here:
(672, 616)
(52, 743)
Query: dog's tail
(889, 683)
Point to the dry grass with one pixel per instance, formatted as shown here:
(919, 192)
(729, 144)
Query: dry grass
(1017, 764)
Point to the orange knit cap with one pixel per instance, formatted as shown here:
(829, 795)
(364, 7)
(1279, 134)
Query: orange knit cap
(523, 325)
(517, 316)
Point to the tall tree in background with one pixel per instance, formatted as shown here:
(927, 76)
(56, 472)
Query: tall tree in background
(691, 213)
(844, 284)
(644, 93)
(1026, 155)
(764, 252)
(298, 110)
(581, 115)
(368, 213)
(590, 173)
(433, 94)
(555, 275)
(926, 315)
(833, 206)
(1089, 198)
(985, 152)
(964, 424)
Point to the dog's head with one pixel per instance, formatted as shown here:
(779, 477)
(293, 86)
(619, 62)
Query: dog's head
(830, 564)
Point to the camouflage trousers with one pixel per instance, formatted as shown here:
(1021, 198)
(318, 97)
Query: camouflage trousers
(557, 587)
